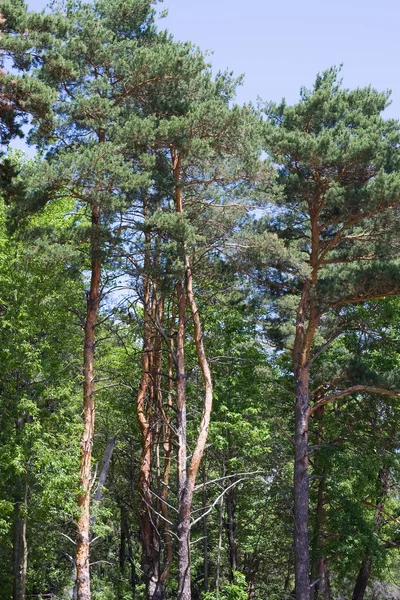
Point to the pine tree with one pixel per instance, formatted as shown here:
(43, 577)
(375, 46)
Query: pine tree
(94, 135)
(206, 159)
(338, 169)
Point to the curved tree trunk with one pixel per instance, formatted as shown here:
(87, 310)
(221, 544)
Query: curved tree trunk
(188, 482)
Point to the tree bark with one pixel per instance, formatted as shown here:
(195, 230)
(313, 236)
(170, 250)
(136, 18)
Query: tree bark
(187, 477)
(307, 319)
(20, 545)
(149, 403)
(362, 578)
(98, 495)
(83, 525)
(366, 565)
(167, 447)
(319, 566)
(187, 495)
(187, 480)
(126, 551)
(301, 488)
(150, 541)
(205, 532)
(230, 502)
(184, 497)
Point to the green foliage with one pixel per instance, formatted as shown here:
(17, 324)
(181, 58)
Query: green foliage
(237, 590)
(115, 105)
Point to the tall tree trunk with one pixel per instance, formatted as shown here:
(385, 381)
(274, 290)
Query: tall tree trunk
(187, 477)
(184, 497)
(167, 447)
(83, 525)
(126, 551)
(319, 567)
(156, 589)
(20, 545)
(230, 502)
(306, 324)
(150, 542)
(366, 565)
(147, 405)
(301, 487)
(362, 578)
(219, 554)
(205, 532)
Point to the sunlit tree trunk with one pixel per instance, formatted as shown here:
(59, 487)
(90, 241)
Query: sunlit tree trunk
(83, 525)
(187, 473)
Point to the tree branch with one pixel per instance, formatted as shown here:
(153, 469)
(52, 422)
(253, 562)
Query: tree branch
(202, 485)
(351, 390)
(214, 504)
(381, 510)
(324, 347)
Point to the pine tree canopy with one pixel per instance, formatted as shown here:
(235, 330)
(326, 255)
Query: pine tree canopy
(199, 322)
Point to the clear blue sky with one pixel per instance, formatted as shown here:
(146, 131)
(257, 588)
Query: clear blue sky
(281, 46)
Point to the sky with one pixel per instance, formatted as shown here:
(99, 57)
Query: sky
(281, 46)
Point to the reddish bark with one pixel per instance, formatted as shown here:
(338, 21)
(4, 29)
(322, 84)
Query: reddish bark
(149, 409)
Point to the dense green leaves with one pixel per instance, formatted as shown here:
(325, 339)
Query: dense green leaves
(294, 265)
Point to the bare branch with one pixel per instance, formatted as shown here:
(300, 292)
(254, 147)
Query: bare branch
(163, 500)
(68, 538)
(94, 539)
(213, 505)
(202, 485)
(158, 514)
